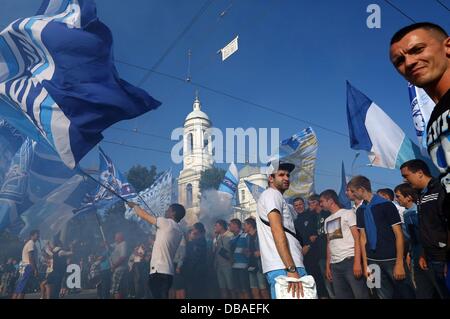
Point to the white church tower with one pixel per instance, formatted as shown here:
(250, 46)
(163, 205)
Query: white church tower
(197, 157)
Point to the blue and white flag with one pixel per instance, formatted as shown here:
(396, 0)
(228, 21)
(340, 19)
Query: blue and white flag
(57, 70)
(10, 142)
(345, 201)
(301, 150)
(52, 212)
(34, 172)
(113, 179)
(13, 191)
(228, 186)
(158, 197)
(254, 189)
(373, 131)
(421, 108)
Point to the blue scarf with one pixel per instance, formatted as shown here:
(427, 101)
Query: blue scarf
(370, 227)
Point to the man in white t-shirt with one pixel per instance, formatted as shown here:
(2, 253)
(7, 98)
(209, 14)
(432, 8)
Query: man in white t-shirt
(28, 265)
(168, 238)
(344, 263)
(281, 252)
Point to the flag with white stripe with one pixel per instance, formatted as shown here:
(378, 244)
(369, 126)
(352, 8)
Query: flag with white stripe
(57, 69)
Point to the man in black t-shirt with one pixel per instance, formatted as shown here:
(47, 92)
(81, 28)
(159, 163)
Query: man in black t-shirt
(315, 248)
(421, 54)
(382, 243)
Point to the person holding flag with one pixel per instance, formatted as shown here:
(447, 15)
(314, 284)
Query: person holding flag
(168, 238)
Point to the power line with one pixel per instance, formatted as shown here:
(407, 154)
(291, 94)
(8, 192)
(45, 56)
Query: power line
(443, 5)
(136, 147)
(136, 131)
(242, 100)
(175, 42)
(399, 10)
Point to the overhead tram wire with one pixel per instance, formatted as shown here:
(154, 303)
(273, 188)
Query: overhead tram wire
(242, 100)
(400, 11)
(443, 5)
(136, 131)
(175, 42)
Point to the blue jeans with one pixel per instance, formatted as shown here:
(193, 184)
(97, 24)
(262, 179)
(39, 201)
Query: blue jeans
(390, 288)
(345, 285)
(272, 275)
(431, 283)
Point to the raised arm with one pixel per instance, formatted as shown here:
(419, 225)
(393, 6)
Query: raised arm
(148, 217)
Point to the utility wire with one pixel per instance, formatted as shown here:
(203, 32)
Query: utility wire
(400, 11)
(443, 5)
(231, 96)
(175, 42)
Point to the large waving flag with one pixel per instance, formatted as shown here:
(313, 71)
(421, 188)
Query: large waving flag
(421, 108)
(13, 192)
(34, 172)
(373, 131)
(10, 141)
(301, 150)
(158, 197)
(52, 212)
(228, 186)
(345, 201)
(57, 69)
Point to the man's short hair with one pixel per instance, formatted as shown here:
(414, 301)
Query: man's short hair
(416, 165)
(421, 25)
(360, 182)
(314, 197)
(296, 199)
(222, 223)
(406, 190)
(387, 191)
(236, 222)
(331, 194)
(251, 221)
(199, 227)
(179, 210)
(34, 232)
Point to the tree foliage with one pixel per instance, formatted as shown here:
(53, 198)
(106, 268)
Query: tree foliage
(211, 178)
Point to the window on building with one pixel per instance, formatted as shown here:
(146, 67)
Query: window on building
(243, 195)
(190, 143)
(189, 195)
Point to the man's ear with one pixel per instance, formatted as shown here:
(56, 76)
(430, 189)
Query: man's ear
(447, 47)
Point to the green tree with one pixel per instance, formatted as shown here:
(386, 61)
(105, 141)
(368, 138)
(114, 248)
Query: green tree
(211, 178)
(140, 177)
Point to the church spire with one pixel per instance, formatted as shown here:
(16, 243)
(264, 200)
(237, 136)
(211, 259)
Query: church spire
(197, 105)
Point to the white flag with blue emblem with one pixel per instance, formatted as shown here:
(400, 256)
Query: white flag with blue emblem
(421, 107)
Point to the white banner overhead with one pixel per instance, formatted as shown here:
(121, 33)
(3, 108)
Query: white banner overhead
(229, 49)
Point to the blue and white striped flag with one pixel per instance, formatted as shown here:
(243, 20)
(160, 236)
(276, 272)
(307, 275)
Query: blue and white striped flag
(374, 131)
(57, 69)
(229, 184)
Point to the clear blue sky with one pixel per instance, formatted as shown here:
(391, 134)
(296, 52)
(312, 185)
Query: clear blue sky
(294, 56)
